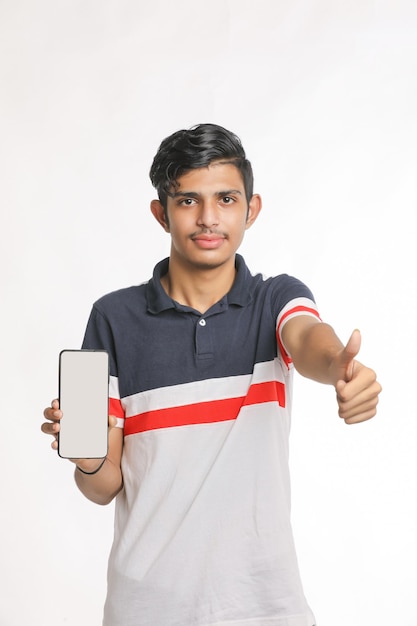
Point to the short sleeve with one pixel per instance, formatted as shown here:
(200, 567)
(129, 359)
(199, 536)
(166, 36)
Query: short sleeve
(99, 336)
(295, 299)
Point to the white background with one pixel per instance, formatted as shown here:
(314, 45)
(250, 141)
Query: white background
(323, 94)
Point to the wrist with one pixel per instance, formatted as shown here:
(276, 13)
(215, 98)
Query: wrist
(94, 471)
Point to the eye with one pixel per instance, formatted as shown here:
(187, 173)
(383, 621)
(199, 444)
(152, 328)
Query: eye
(186, 202)
(227, 200)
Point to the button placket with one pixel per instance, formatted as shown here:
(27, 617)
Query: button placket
(203, 340)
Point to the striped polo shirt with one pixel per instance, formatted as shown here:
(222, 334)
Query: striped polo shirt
(202, 525)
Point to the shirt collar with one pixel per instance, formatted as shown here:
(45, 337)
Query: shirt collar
(158, 300)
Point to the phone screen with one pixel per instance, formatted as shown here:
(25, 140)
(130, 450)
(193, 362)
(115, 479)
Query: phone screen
(83, 399)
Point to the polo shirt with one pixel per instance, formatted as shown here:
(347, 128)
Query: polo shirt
(202, 524)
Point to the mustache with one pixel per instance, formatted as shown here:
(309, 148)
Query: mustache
(209, 231)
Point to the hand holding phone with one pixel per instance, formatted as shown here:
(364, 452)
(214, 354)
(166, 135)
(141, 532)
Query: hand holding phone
(83, 400)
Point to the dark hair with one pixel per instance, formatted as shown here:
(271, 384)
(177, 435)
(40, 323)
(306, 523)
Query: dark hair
(197, 147)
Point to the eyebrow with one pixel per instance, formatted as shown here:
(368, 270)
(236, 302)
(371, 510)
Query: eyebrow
(194, 194)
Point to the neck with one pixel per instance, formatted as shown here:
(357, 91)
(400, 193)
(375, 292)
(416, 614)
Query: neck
(198, 288)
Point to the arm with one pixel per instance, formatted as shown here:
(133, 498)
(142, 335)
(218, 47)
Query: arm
(318, 353)
(100, 487)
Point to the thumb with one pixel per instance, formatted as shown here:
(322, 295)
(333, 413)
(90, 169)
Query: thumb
(349, 353)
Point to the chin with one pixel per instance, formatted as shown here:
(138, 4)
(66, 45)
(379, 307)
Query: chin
(210, 261)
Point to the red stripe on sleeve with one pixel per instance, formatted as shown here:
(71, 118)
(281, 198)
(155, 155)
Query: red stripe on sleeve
(297, 309)
(115, 408)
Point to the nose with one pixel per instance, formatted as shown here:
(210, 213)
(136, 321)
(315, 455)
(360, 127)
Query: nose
(209, 214)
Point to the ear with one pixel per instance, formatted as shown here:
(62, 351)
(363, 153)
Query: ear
(255, 206)
(159, 214)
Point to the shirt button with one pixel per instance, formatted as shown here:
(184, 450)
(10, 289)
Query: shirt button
(202, 322)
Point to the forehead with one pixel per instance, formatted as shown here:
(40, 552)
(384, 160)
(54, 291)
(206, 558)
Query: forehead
(218, 175)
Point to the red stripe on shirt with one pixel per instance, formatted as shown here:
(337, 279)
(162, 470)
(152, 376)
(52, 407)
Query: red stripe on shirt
(205, 412)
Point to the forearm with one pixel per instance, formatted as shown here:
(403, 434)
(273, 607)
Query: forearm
(103, 486)
(318, 353)
(313, 354)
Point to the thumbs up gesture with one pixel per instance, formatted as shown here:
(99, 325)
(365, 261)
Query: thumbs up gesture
(357, 388)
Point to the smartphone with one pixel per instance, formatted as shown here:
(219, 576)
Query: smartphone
(84, 401)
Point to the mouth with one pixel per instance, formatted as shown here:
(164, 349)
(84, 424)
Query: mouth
(208, 241)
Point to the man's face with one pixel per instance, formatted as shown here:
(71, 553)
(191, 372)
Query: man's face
(207, 215)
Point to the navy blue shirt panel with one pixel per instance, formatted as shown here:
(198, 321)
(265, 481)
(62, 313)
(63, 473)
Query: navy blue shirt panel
(155, 342)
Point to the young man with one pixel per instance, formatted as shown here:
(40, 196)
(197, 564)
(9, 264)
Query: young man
(202, 360)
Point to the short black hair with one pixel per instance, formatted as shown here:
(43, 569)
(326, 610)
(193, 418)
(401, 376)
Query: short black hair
(194, 148)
